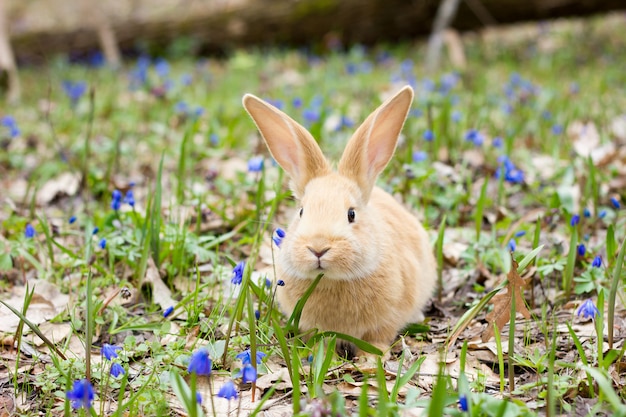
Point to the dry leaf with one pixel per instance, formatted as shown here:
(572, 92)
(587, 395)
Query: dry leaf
(501, 313)
(161, 293)
(65, 184)
(47, 303)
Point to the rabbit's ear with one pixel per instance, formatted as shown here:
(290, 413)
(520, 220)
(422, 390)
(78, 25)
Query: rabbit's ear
(291, 145)
(373, 144)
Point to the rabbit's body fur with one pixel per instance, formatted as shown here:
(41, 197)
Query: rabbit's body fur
(378, 265)
(384, 294)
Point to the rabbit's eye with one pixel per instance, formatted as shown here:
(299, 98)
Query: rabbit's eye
(301, 211)
(351, 215)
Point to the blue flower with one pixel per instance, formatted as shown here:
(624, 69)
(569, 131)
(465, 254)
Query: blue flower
(139, 75)
(278, 236)
(345, 121)
(117, 370)
(72, 220)
(280, 283)
(162, 67)
(597, 261)
(29, 231)
(238, 273)
(228, 391)
(311, 115)
(586, 213)
(181, 107)
(198, 397)
(557, 129)
(81, 394)
(512, 245)
(475, 137)
(116, 200)
(463, 403)
(168, 311)
(129, 198)
(602, 214)
(110, 351)
(574, 220)
(255, 164)
(520, 233)
(497, 142)
(11, 125)
(587, 310)
(456, 116)
(257, 314)
(581, 250)
(511, 173)
(248, 374)
(246, 357)
(214, 139)
(615, 203)
(200, 362)
(95, 230)
(297, 102)
(416, 113)
(102, 243)
(429, 135)
(419, 156)
(74, 90)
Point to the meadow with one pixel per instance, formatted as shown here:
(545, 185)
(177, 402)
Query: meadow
(141, 213)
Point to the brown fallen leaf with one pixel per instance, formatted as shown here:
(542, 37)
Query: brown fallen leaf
(501, 313)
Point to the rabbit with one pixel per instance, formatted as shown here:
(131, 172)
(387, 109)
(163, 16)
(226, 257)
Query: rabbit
(378, 264)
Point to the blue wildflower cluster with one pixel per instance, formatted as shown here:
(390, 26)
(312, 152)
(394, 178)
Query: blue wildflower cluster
(419, 156)
(110, 352)
(228, 391)
(278, 236)
(475, 137)
(168, 311)
(587, 310)
(81, 395)
(313, 113)
(185, 110)
(116, 199)
(74, 90)
(200, 363)
(519, 90)
(249, 373)
(29, 231)
(255, 164)
(10, 124)
(238, 273)
(510, 172)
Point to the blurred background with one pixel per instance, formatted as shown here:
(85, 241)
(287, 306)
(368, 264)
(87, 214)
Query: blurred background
(33, 31)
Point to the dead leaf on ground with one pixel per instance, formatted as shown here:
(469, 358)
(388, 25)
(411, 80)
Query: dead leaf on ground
(66, 184)
(161, 293)
(47, 303)
(501, 313)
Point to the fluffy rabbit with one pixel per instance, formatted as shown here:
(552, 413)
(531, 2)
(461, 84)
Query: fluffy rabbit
(378, 265)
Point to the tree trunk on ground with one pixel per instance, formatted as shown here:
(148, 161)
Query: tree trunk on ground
(282, 22)
(7, 60)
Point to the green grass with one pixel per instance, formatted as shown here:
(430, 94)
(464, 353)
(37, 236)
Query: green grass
(199, 212)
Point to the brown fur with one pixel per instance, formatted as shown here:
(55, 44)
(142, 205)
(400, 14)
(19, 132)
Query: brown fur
(379, 270)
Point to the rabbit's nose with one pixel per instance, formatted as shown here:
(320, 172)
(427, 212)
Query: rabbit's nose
(318, 253)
